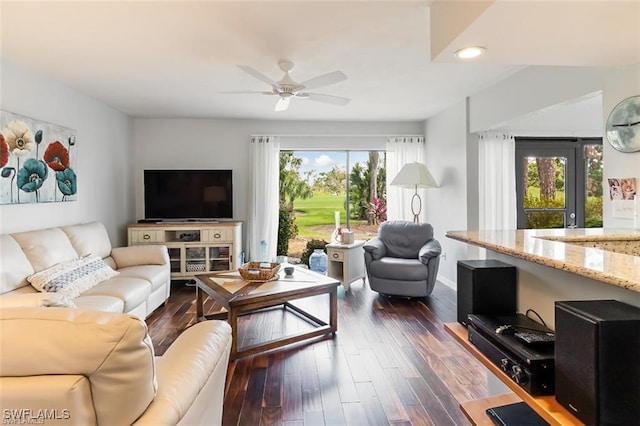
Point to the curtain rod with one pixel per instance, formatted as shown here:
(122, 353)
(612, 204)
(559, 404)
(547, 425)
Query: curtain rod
(340, 136)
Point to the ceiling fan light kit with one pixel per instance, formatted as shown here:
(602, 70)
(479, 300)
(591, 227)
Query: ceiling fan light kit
(287, 88)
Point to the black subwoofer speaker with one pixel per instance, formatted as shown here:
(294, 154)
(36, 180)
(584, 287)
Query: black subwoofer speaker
(485, 287)
(597, 361)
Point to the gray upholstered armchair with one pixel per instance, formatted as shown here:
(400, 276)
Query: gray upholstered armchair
(403, 259)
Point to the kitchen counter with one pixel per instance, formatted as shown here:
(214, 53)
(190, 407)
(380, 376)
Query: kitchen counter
(610, 256)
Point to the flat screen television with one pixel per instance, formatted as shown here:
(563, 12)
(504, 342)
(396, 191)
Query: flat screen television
(188, 194)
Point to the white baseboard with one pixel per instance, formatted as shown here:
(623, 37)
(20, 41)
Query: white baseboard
(448, 283)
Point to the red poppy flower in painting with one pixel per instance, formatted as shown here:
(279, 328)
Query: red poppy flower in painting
(56, 156)
(4, 151)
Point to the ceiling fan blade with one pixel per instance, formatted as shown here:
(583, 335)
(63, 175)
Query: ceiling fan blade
(329, 99)
(283, 104)
(257, 74)
(227, 92)
(324, 80)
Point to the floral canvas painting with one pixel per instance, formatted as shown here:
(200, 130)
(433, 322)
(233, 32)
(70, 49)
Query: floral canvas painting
(37, 161)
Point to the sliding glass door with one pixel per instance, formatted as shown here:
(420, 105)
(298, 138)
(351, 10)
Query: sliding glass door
(314, 185)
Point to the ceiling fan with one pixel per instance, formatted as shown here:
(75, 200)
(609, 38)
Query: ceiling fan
(287, 88)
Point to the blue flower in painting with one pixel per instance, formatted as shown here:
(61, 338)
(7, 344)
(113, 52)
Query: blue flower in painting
(67, 181)
(32, 175)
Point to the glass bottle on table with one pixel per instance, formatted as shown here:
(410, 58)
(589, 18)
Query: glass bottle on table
(336, 235)
(318, 261)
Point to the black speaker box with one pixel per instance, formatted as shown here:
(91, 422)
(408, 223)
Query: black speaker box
(485, 287)
(597, 365)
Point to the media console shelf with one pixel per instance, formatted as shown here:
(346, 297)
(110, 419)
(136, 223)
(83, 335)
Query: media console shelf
(194, 247)
(546, 406)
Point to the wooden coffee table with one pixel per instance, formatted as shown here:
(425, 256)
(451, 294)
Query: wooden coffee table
(240, 297)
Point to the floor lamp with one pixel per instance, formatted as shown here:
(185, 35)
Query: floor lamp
(413, 176)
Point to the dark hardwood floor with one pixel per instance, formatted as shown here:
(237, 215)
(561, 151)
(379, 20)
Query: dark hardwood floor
(391, 362)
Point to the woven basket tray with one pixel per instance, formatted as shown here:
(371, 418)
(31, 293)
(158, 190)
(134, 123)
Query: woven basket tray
(196, 267)
(253, 271)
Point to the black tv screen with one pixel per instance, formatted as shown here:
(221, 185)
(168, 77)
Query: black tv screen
(188, 194)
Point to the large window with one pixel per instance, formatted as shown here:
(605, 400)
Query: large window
(316, 184)
(559, 183)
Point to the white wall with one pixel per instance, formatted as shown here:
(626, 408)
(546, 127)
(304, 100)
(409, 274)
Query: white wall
(579, 118)
(570, 90)
(531, 90)
(446, 206)
(620, 83)
(104, 143)
(224, 144)
(451, 148)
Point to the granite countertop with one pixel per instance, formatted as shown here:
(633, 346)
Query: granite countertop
(611, 256)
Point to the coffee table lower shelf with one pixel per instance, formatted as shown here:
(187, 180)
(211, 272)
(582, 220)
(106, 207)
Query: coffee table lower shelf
(238, 297)
(546, 406)
(321, 329)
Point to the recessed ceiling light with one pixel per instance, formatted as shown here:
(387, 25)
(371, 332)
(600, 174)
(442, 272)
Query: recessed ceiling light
(470, 52)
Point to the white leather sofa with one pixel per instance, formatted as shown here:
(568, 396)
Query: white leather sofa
(63, 366)
(142, 284)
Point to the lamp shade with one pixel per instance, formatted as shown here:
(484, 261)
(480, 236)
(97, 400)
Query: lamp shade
(414, 175)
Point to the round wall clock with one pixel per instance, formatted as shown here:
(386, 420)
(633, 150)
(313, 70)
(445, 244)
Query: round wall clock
(623, 125)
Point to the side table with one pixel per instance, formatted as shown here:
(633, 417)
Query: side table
(345, 262)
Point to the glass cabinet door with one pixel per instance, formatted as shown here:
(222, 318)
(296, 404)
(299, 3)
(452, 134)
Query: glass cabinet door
(219, 259)
(195, 260)
(175, 259)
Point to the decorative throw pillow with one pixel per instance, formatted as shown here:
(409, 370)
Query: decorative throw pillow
(73, 277)
(36, 300)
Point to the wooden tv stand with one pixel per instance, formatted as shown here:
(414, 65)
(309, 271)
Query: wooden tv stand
(546, 406)
(194, 247)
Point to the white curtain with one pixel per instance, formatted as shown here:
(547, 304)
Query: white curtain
(497, 181)
(402, 150)
(264, 161)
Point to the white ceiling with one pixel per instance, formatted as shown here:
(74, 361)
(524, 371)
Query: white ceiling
(172, 58)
